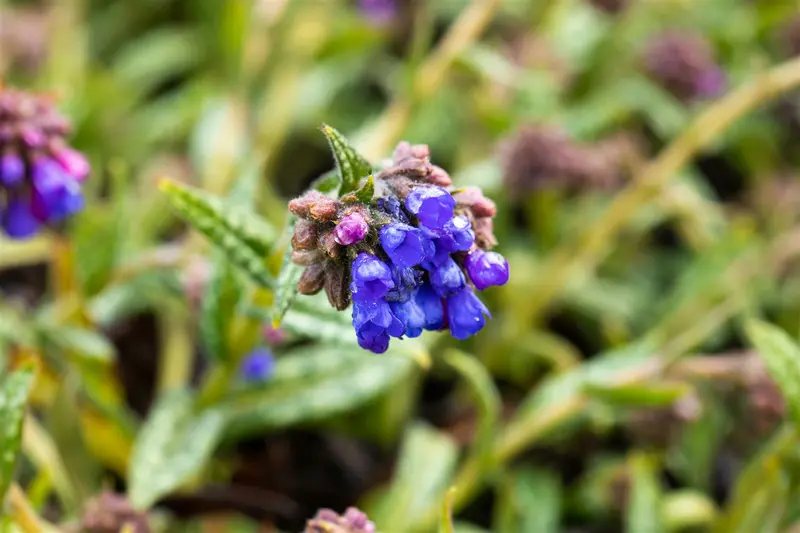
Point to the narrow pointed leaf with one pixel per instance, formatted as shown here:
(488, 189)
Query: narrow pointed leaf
(351, 165)
(13, 396)
(172, 446)
(245, 238)
(782, 358)
(366, 192)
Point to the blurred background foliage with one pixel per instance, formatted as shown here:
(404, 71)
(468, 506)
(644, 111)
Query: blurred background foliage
(643, 157)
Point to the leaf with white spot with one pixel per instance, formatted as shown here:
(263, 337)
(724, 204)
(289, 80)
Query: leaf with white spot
(172, 446)
(13, 396)
(245, 238)
(351, 165)
(310, 384)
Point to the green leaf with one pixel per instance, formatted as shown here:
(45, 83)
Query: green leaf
(172, 446)
(286, 287)
(351, 165)
(644, 503)
(311, 384)
(531, 501)
(13, 396)
(221, 297)
(486, 396)
(85, 344)
(782, 358)
(329, 182)
(245, 238)
(364, 194)
(424, 471)
(638, 394)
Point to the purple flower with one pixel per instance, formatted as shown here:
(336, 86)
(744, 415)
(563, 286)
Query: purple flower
(486, 269)
(405, 245)
(18, 220)
(12, 170)
(447, 278)
(378, 11)
(433, 206)
(56, 194)
(711, 82)
(258, 366)
(465, 314)
(73, 162)
(351, 229)
(372, 278)
(374, 323)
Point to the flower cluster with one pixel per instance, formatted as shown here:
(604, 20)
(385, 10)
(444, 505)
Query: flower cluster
(409, 260)
(683, 63)
(40, 175)
(328, 521)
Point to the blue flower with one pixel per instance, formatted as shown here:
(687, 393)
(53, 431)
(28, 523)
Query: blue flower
(405, 245)
(447, 278)
(406, 279)
(433, 206)
(374, 323)
(465, 314)
(371, 277)
(486, 269)
(431, 305)
(457, 235)
(56, 194)
(18, 220)
(411, 315)
(393, 207)
(12, 170)
(257, 366)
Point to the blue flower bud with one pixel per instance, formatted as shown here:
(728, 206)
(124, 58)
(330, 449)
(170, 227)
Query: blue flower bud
(18, 220)
(486, 269)
(465, 314)
(371, 278)
(433, 206)
(447, 278)
(431, 305)
(374, 323)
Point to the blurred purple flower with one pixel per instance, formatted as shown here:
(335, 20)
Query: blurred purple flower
(378, 11)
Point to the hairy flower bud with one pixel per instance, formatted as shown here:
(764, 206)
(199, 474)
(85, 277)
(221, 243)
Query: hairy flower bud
(306, 257)
(305, 235)
(312, 280)
(336, 287)
(475, 201)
